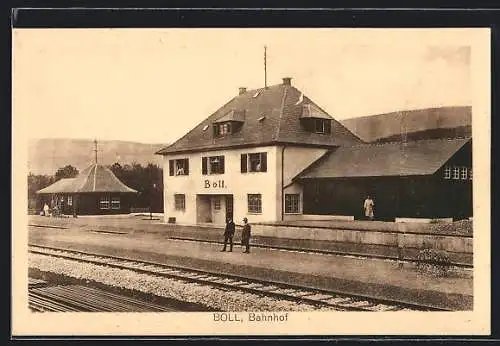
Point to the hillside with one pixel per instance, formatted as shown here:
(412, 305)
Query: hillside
(420, 124)
(45, 156)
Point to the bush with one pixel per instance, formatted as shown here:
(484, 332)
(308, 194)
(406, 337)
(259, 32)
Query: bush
(434, 262)
(462, 227)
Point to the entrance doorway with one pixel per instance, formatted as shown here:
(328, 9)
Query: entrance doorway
(213, 208)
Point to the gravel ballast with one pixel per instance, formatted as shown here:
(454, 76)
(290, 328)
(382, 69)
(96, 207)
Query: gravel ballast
(215, 298)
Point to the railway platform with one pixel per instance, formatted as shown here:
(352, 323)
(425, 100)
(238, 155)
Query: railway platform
(369, 277)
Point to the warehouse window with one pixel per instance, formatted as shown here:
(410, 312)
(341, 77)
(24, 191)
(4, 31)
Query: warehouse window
(212, 165)
(463, 173)
(115, 203)
(104, 202)
(178, 167)
(255, 203)
(70, 200)
(456, 172)
(292, 203)
(180, 201)
(447, 172)
(256, 162)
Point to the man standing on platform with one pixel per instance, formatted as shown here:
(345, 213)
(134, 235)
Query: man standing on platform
(245, 235)
(228, 234)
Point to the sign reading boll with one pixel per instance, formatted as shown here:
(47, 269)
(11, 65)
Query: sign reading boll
(215, 184)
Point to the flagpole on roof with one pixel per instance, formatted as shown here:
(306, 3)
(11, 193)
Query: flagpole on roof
(265, 67)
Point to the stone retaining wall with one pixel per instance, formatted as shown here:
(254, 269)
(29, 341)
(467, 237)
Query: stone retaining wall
(460, 244)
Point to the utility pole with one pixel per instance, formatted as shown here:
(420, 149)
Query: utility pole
(95, 150)
(150, 193)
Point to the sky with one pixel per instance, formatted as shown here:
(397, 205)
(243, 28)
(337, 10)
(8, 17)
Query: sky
(154, 85)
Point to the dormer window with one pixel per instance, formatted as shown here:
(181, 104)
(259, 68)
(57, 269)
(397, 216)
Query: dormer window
(314, 125)
(320, 125)
(222, 129)
(315, 120)
(230, 122)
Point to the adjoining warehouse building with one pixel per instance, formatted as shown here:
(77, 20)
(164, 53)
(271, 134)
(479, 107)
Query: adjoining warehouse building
(272, 154)
(418, 179)
(95, 191)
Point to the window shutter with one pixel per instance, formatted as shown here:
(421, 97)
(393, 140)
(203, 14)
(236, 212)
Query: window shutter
(263, 162)
(222, 167)
(244, 163)
(328, 126)
(308, 125)
(171, 167)
(186, 168)
(204, 166)
(216, 130)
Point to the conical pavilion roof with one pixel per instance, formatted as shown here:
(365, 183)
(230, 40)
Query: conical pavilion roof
(95, 178)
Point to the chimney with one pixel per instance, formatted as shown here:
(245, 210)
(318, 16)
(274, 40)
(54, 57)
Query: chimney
(287, 81)
(242, 90)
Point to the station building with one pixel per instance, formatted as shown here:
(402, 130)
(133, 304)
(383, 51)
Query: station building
(266, 155)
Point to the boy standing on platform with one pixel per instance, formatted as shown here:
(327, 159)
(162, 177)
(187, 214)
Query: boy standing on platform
(228, 234)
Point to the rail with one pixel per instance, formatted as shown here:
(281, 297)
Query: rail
(340, 301)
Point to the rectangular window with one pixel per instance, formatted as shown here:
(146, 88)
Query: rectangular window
(222, 129)
(463, 173)
(255, 203)
(256, 162)
(104, 202)
(470, 173)
(292, 203)
(212, 165)
(70, 200)
(115, 203)
(179, 167)
(319, 126)
(217, 203)
(180, 201)
(456, 172)
(447, 172)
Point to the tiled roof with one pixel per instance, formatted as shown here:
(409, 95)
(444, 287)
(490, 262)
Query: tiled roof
(272, 115)
(390, 159)
(95, 178)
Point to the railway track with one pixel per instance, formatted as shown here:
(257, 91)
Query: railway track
(280, 290)
(463, 266)
(43, 296)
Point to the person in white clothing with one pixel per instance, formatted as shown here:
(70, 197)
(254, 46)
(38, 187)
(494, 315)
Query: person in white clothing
(46, 209)
(368, 206)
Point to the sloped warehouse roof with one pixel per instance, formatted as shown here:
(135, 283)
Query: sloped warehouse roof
(95, 178)
(423, 157)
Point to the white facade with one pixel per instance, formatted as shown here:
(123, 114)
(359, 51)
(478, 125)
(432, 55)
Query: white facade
(206, 196)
